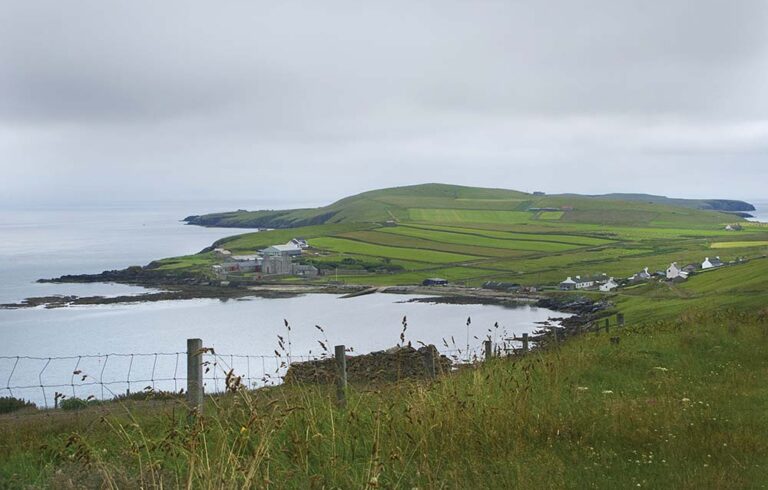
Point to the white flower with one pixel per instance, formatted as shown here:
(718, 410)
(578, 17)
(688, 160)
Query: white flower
(659, 368)
(685, 400)
(607, 392)
(582, 388)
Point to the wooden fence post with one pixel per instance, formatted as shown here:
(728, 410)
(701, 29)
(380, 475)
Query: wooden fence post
(340, 353)
(488, 349)
(607, 324)
(429, 362)
(195, 374)
(525, 342)
(620, 319)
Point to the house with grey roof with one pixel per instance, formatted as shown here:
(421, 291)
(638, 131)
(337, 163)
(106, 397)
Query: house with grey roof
(675, 272)
(643, 275)
(288, 250)
(711, 263)
(568, 285)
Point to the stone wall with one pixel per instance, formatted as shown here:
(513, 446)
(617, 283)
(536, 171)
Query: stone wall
(390, 365)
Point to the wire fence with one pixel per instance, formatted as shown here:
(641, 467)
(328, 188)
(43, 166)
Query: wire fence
(47, 381)
(50, 381)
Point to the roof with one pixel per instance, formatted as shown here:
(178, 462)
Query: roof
(288, 247)
(568, 281)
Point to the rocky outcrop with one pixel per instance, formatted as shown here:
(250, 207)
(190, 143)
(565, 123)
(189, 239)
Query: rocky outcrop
(383, 366)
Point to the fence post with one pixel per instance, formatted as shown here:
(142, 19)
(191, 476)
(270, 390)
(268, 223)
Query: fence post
(555, 335)
(620, 319)
(488, 349)
(525, 342)
(195, 374)
(607, 324)
(340, 353)
(429, 362)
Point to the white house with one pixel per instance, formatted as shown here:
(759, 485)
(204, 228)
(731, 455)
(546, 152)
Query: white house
(710, 264)
(568, 285)
(609, 285)
(674, 272)
(300, 242)
(583, 283)
(643, 275)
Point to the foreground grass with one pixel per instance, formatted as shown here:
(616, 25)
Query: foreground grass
(679, 404)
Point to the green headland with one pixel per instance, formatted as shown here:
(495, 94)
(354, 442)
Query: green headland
(469, 236)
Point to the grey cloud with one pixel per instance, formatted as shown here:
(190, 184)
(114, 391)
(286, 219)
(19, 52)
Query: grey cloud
(193, 98)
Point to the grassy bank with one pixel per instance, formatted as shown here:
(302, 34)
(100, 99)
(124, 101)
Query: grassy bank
(678, 403)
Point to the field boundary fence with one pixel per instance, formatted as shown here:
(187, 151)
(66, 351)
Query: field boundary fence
(78, 380)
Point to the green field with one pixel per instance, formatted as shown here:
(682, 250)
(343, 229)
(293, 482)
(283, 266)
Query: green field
(551, 215)
(341, 245)
(755, 243)
(438, 229)
(573, 239)
(432, 215)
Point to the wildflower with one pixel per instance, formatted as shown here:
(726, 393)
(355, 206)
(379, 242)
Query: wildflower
(685, 400)
(607, 392)
(243, 430)
(659, 368)
(582, 388)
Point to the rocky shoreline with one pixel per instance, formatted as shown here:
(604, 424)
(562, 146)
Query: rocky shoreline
(171, 286)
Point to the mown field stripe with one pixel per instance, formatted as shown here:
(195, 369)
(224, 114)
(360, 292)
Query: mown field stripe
(379, 237)
(484, 233)
(341, 245)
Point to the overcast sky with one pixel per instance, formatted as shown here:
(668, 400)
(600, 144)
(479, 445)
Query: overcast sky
(116, 100)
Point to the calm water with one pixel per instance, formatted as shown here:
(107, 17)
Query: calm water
(243, 327)
(762, 211)
(46, 243)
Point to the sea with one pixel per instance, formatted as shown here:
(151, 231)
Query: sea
(761, 213)
(135, 346)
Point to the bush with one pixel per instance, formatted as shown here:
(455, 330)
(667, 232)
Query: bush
(147, 394)
(10, 404)
(76, 403)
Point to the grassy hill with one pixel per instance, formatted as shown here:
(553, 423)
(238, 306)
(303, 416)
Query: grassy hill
(452, 203)
(727, 205)
(469, 235)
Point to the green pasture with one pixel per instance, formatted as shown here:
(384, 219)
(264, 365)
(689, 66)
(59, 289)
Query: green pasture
(550, 215)
(253, 242)
(452, 274)
(755, 243)
(341, 245)
(527, 243)
(743, 286)
(434, 215)
(381, 237)
(472, 233)
(189, 263)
